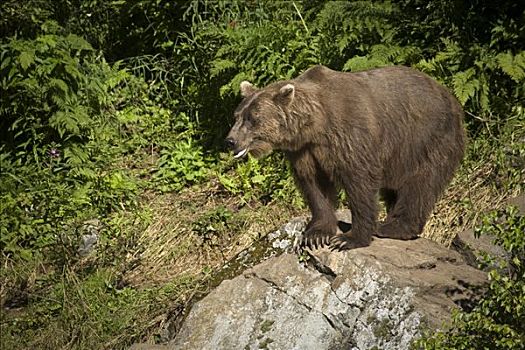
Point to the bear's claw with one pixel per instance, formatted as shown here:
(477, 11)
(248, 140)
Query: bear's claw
(315, 239)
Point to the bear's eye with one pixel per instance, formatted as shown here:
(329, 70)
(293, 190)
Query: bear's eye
(252, 119)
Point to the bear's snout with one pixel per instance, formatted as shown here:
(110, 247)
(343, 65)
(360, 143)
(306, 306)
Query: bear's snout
(230, 142)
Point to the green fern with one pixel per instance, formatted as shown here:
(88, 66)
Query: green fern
(221, 65)
(465, 85)
(56, 91)
(359, 63)
(255, 53)
(512, 65)
(26, 58)
(353, 28)
(382, 55)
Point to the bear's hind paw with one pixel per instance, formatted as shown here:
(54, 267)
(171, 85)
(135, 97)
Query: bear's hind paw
(347, 242)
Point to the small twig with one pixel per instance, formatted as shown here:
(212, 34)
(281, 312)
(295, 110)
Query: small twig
(476, 117)
(300, 16)
(483, 120)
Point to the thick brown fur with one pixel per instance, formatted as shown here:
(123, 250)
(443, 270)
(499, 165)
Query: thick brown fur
(389, 131)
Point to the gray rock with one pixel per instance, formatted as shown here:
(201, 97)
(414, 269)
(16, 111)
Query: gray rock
(474, 248)
(89, 237)
(379, 296)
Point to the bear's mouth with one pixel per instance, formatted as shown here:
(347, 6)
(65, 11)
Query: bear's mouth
(240, 153)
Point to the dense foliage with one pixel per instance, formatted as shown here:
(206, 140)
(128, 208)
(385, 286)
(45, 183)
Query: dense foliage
(105, 102)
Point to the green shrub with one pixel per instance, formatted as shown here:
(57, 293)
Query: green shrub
(60, 135)
(265, 179)
(182, 160)
(497, 322)
(56, 91)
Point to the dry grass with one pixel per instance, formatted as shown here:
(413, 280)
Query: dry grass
(469, 196)
(170, 247)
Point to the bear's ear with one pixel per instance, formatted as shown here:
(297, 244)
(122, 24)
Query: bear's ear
(286, 94)
(247, 88)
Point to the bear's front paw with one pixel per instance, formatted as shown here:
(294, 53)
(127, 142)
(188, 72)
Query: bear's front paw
(317, 236)
(349, 241)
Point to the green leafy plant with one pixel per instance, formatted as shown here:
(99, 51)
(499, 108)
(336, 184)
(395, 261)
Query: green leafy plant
(55, 91)
(211, 225)
(182, 160)
(265, 179)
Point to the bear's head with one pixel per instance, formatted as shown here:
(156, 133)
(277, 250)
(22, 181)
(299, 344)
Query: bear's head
(262, 120)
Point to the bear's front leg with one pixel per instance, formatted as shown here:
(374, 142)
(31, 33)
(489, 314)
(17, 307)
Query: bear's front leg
(319, 231)
(321, 195)
(364, 207)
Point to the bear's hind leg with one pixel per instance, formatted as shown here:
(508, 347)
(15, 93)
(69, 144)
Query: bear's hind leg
(415, 201)
(389, 196)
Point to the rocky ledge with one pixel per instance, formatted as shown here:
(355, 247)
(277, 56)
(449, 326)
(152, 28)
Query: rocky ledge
(381, 296)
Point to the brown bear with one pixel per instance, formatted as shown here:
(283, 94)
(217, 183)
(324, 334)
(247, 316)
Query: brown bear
(390, 131)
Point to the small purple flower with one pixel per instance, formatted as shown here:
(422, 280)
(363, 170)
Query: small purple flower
(53, 153)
